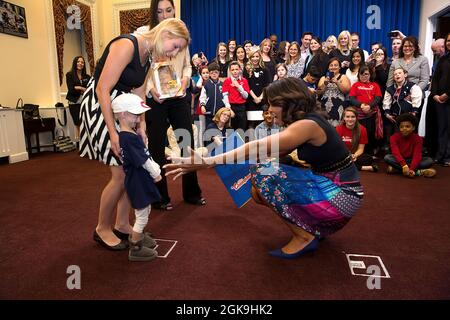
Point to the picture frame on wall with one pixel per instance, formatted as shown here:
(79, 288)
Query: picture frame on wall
(13, 20)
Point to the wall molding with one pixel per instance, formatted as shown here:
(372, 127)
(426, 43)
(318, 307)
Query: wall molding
(124, 6)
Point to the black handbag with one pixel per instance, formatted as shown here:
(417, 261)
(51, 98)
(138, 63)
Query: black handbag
(62, 142)
(30, 111)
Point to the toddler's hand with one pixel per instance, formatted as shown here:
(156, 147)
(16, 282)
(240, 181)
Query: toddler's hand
(158, 178)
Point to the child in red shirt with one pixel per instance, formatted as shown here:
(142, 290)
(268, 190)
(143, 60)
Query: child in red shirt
(235, 91)
(365, 96)
(354, 136)
(406, 149)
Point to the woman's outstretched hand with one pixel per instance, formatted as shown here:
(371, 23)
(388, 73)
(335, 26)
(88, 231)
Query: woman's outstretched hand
(181, 166)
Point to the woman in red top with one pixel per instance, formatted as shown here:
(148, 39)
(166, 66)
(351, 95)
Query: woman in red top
(354, 136)
(365, 96)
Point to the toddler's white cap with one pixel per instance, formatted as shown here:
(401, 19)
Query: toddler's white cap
(129, 102)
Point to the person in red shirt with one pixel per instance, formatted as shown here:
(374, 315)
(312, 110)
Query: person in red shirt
(365, 96)
(406, 147)
(235, 91)
(354, 136)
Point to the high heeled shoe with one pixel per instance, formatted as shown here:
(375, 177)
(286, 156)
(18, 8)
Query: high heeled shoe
(311, 247)
(118, 247)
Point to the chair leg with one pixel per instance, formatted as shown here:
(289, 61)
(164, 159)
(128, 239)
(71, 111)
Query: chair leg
(37, 143)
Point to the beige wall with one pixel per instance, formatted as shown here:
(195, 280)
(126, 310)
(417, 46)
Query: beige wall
(25, 65)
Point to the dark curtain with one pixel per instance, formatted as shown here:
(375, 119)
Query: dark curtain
(212, 21)
(130, 20)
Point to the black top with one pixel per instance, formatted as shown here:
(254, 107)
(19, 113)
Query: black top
(319, 60)
(327, 155)
(133, 76)
(440, 83)
(270, 66)
(259, 79)
(336, 53)
(139, 184)
(72, 94)
(381, 77)
(214, 131)
(223, 73)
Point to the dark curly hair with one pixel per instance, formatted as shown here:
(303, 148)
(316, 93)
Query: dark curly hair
(292, 95)
(406, 117)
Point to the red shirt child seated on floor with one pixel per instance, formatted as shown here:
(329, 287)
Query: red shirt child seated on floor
(406, 149)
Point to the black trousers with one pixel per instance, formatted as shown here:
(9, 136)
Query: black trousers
(443, 121)
(175, 113)
(240, 118)
(363, 160)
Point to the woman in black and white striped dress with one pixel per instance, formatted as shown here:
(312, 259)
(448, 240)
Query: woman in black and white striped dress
(122, 68)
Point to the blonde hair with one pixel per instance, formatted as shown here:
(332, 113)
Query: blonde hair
(335, 42)
(219, 112)
(341, 35)
(175, 28)
(261, 45)
(252, 53)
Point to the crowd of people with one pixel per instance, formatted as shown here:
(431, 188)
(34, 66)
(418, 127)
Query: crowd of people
(330, 106)
(341, 75)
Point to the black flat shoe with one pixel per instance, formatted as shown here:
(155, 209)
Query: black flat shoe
(121, 235)
(124, 236)
(118, 247)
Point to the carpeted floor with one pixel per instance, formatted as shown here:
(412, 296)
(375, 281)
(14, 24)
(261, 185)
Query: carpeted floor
(48, 212)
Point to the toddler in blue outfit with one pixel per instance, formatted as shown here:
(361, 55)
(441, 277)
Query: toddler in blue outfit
(141, 173)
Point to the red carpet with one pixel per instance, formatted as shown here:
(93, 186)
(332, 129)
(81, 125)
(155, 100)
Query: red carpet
(48, 211)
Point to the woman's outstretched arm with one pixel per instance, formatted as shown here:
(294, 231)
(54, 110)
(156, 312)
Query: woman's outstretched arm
(268, 147)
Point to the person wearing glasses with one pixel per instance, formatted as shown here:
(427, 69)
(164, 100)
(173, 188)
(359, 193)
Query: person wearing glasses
(365, 96)
(414, 63)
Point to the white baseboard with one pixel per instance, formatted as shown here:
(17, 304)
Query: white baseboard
(18, 157)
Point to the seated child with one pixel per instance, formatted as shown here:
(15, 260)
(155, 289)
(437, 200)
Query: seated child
(406, 147)
(141, 173)
(267, 127)
(216, 132)
(355, 138)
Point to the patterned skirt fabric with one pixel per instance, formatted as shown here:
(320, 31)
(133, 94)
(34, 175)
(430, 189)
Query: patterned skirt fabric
(94, 137)
(313, 202)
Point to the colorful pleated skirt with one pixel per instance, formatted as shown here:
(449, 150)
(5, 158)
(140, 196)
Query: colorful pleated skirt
(319, 204)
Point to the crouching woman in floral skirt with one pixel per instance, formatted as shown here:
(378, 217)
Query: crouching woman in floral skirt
(315, 202)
